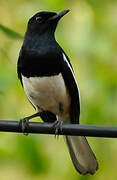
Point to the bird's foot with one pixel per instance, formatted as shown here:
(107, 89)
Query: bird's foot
(58, 126)
(24, 125)
(24, 122)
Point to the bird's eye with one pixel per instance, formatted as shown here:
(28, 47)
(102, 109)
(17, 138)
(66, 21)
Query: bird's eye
(39, 19)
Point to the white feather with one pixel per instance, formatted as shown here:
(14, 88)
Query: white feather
(47, 93)
(65, 59)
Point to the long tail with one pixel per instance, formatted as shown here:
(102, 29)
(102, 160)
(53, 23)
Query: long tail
(82, 156)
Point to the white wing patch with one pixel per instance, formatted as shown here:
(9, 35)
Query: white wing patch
(65, 59)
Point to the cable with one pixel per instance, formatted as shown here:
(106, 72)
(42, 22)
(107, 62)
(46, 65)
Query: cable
(67, 129)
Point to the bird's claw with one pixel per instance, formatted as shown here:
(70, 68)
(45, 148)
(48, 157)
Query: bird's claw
(24, 125)
(58, 126)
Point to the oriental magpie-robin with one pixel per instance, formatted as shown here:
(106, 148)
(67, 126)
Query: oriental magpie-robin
(49, 82)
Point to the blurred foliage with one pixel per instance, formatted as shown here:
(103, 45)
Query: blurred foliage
(89, 36)
(10, 33)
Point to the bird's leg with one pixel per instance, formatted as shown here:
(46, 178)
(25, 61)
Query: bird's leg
(58, 123)
(24, 122)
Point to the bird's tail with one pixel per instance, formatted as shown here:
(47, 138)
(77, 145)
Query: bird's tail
(81, 154)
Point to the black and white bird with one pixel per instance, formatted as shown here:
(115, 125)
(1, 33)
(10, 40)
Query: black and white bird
(49, 82)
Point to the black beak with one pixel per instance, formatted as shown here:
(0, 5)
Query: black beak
(59, 14)
(62, 13)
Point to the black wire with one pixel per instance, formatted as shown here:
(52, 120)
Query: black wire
(67, 129)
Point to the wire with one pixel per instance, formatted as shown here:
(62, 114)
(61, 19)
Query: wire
(67, 129)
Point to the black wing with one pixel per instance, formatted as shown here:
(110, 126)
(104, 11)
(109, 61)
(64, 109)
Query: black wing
(69, 78)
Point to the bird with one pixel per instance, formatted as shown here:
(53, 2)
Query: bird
(48, 79)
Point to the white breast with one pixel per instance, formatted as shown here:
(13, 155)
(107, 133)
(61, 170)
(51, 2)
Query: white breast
(47, 93)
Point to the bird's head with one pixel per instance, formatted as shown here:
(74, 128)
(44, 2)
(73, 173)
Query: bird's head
(45, 21)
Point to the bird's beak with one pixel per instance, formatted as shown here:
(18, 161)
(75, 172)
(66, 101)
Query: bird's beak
(62, 13)
(59, 14)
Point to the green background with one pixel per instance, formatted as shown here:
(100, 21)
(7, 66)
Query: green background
(88, 34)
